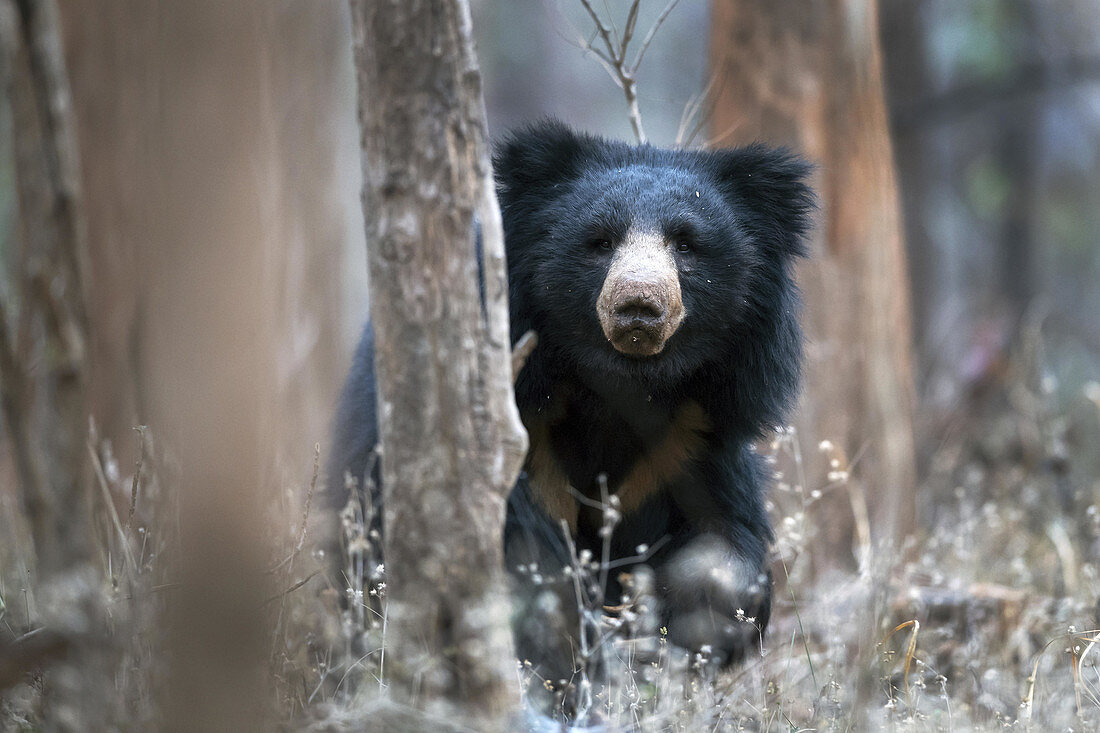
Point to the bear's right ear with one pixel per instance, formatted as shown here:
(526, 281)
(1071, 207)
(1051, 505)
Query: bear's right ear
(539, 156)
(769, 186)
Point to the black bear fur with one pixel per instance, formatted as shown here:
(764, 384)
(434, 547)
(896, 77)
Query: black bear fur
(676, 431)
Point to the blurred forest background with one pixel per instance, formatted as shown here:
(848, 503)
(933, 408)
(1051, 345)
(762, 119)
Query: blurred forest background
(944, 465)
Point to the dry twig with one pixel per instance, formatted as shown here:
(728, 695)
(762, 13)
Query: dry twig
(613, 55)
(136, 483)
(109, 505)
(521, 351)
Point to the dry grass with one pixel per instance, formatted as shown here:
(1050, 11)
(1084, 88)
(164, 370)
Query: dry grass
(986, 622)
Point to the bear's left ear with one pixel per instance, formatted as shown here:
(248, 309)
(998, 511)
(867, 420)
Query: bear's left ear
(768, 186)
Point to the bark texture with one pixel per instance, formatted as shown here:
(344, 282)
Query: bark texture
(43, 376)
(452, 442)
(809, 74)
(47, 417)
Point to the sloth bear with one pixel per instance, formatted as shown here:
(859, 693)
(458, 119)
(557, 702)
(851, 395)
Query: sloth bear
(659, 283)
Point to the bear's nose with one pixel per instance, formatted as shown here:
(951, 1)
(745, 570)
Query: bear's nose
(640, 304)
(640, 309)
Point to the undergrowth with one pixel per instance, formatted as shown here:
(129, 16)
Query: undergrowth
(985, 621)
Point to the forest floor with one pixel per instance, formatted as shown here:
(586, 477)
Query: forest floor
(987, 620)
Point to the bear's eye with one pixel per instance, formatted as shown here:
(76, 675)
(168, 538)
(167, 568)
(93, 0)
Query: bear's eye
(600, 243)
(683, 245)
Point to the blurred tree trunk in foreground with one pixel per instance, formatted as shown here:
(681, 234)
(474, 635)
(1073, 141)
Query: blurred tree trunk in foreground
(452, 442)
(215, 231)
(208, 339)
(808, 74)
(43, 377)
(202, 242)
(302, 71)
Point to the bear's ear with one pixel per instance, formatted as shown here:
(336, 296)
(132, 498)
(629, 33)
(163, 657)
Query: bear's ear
(539, 156)
(768, 186)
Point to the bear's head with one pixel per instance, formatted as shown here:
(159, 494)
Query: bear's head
(651, 265)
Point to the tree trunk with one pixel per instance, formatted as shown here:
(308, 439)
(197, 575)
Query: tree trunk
(209, 342)
(107, 48)
(808, 74)
(200, 247)
(452, 442)
(905, 27)
(113, 50)
(51, 281)
(44, 368)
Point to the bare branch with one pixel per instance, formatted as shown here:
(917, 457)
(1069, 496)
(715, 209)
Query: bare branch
(711, 142)
(609, 68)
(614, 59)
(604, 31)
(628, 29)
(690, 114)
(697, 113)
(653, 32)
(630, 89)
(292, 588)
(611, 20)
(606, 60)
(585, 44)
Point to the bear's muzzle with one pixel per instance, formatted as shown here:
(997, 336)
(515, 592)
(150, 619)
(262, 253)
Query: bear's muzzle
(640, 305)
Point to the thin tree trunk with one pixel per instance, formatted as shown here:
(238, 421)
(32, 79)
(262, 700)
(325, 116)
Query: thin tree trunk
(44, 368)
(808, 74)
(905, 69)
(107, 46)
(452, 442)
(1021, 152)
(53, 267)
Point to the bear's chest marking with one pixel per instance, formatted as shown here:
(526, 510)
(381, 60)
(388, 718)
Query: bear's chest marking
(659, 463)
(684, 440)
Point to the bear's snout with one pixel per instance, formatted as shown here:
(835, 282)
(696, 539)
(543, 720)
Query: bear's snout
(640, 305)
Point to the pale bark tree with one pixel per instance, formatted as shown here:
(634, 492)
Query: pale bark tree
(452, 442)
(808, 74)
